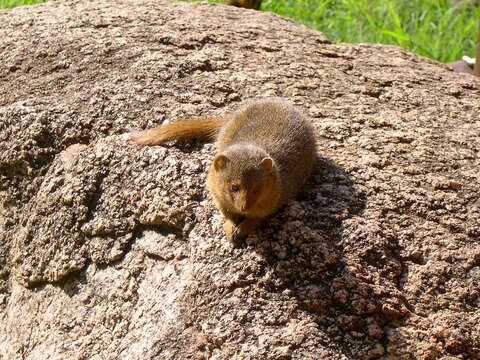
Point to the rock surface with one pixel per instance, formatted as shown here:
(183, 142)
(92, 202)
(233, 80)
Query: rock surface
(114, 251)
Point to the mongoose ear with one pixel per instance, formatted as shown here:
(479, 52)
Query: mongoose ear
(267, 164)
(220, 162)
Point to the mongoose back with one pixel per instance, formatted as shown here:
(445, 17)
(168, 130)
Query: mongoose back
(265, 153)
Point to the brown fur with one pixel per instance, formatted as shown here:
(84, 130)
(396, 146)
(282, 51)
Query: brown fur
(249, 4)
(199, 128)
(266, 151)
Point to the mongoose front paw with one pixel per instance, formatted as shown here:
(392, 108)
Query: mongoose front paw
(230, 229)
(242, 230)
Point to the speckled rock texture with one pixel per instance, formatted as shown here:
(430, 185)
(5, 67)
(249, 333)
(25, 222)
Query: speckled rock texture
(114, 251)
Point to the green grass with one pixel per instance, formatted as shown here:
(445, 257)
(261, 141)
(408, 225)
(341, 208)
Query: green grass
(5, 4)
(432, 28)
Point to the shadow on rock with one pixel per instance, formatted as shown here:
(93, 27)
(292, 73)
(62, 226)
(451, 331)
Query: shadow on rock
(311, 250)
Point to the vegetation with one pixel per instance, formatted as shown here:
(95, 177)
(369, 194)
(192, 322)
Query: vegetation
(432, 28)
(4, 4)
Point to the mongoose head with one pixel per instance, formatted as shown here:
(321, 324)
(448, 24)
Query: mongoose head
(244, 177)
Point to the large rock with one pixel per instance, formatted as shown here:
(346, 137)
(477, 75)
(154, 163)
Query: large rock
(115, 251)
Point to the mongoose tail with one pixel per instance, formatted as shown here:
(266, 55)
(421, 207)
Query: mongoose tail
(184, 130)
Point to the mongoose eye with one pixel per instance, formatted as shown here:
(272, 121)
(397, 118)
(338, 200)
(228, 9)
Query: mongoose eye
(235, 188)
